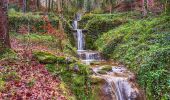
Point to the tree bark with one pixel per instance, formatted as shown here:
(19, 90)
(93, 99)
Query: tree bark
(4, 32)
(144, 4)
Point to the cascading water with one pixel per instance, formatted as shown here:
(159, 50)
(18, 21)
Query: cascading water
(118, 85)
(80, 40)
(75, 24)
(83, 54)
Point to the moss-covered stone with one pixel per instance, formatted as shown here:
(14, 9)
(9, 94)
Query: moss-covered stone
(96, 80)
(102, 72)
(48, 58)
(106, 68)
(95, 63)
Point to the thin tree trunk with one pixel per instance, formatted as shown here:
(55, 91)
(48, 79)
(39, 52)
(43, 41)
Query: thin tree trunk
(4, 32)
(38, 5)
(49, 5)
(52, 4)
(144, 7)
(24, 6)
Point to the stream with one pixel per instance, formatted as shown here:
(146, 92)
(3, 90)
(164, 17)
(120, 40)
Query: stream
(119, 81)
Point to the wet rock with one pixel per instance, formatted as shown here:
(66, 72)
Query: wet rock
(96, 80)
(102, 72)
(107, 68)
(95, 63)
(76, 68)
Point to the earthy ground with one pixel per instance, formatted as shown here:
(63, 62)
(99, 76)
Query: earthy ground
(28, 79)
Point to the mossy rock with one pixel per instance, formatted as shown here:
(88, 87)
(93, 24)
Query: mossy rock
(48, 58)
(102, 72)
(95, 63)
(96, 80)
(106, 68)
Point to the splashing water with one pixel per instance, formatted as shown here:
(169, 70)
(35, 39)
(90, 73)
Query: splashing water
(118, 84)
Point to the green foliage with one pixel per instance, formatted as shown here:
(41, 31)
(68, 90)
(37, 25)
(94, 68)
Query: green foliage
(8, 54)
(7, 74)
(34, 20)
(97, 24)
(144, 46)
(75, 78)
(68, 31)
(35, 37)
(2, 84)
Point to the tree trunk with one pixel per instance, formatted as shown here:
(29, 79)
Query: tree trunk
(4, 32)
(144, 4)
(49, 5)
(38, 5)
(24, 6)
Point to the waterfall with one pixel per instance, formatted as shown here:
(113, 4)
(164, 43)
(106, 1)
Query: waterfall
(92, 55)
(118, 85)
(75, 24)
(80, 40)
(122, 88)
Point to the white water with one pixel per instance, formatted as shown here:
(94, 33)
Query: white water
(80, 40)
(75, 24)
(118, 84)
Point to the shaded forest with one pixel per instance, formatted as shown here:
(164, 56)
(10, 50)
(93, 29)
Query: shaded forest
(85, 49)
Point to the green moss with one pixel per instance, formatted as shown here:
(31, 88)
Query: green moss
(2, 84)
(36, 37)
(107, 68)
(17, 19)
(75, 78)
(48, 58)
(102, 72)
(96, 80)
(8, 54)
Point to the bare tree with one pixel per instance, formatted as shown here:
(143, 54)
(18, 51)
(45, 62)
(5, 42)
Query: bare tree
(4, 32)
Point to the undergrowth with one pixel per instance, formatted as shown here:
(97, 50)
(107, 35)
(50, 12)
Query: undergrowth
(144, 46)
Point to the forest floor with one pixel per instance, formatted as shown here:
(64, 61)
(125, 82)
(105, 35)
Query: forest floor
(26, 78)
